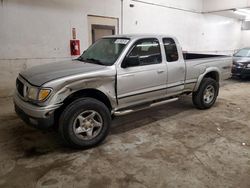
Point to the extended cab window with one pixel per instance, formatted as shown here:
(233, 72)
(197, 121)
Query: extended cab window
(170, 50)
(148, 51)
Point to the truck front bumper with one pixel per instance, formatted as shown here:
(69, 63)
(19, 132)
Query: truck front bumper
(36, 116)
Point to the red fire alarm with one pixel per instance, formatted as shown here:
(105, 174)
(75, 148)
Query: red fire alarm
(74, 44)
(75, 47)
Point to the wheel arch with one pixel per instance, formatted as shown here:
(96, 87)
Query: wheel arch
(213, 73)
(90, 93)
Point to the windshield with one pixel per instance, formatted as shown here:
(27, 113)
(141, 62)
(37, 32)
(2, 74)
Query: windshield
(243, 53)
(105, 51)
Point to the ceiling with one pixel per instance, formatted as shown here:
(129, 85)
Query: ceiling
(230, 14)
(227, 8)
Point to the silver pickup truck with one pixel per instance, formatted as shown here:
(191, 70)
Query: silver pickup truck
(115, 76)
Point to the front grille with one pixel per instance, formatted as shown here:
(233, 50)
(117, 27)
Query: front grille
(20, 87)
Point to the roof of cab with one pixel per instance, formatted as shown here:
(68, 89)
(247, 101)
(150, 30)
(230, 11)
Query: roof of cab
(138, 36)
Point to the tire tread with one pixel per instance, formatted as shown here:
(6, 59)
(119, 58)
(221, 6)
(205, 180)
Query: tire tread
(66, 118)
(197, 96)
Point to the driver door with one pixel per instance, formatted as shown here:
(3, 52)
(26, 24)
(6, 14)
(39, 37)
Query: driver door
(146, 80)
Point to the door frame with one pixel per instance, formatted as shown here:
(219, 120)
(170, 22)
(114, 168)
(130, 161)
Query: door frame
(101, 20)
(98, 26)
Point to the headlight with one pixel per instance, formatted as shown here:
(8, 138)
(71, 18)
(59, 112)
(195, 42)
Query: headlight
(240, 64)
(38, 94)
(32, 93)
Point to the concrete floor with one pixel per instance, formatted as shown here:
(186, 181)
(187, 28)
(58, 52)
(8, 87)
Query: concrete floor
(173, 145)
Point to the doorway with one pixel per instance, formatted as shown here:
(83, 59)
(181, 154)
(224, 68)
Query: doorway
(100, 26)
(98, 31)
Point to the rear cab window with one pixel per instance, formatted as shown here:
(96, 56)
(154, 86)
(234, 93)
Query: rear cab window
(170, 49)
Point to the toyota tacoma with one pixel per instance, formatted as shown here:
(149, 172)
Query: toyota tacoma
(115, 76)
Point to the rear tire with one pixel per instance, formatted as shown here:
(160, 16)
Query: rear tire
(84, 123)
(206, 95)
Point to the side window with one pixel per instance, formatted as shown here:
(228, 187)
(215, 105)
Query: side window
(148, 51)
(170, 50)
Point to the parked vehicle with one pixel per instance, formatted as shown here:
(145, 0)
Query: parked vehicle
(241, 63)
(115, 76)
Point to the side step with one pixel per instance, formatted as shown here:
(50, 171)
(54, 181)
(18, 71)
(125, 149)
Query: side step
(125, 112)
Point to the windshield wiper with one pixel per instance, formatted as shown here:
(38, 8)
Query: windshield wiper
(80, 58)
(91, 60)
(95, 61)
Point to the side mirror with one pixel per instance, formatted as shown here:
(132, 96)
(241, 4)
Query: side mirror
(131, 61)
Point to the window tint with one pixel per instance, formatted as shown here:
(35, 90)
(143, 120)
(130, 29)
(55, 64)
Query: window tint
(148, 51)
(170, 50)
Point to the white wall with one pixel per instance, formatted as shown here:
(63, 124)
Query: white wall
(196, 32)
(245, 39)
(38, 31)
(195, 5)
(213, 5)
(42, 29)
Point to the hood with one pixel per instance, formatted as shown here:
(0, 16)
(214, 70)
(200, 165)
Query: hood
(41, 74)
(244, 60)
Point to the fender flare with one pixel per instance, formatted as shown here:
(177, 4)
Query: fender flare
(207, 71)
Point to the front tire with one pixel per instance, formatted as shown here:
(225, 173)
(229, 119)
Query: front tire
(84, 123)
(206, 95)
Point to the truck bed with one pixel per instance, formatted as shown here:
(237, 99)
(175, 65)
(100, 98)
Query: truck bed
(197, 63)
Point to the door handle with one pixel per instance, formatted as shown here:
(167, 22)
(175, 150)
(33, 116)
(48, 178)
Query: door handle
(160, 71)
